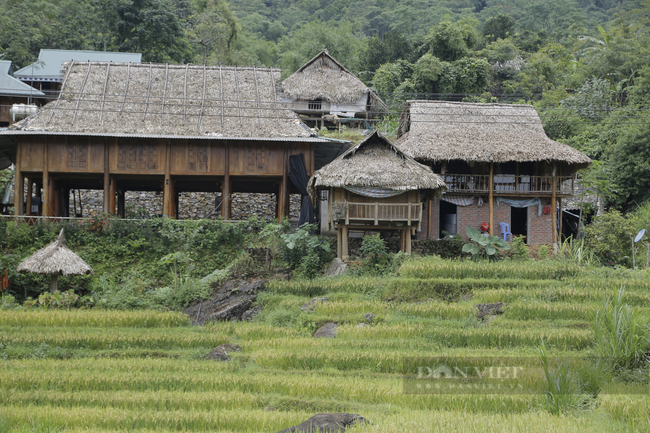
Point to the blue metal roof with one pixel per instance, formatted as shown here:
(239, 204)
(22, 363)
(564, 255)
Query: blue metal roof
(12, 86)
(48, 66)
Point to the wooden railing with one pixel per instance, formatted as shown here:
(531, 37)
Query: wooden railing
(378, 212)
(508, 184)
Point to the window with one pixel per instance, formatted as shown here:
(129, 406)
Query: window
(316, 104)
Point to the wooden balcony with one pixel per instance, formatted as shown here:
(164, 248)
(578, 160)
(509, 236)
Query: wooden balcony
(509, 184)
(377, 213)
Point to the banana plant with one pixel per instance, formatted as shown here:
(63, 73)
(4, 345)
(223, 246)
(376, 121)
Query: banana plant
(485, 247)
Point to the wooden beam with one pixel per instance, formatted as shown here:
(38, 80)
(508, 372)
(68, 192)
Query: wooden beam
(106, 176)
(491, 198)
(226, 188)
(339, 242)
(166, 210)
(344, 236)
(18, 183)
(46, 182)
(407, 233)
(429, 225)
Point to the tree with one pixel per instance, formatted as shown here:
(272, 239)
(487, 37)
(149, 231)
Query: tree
(152, 28)
(499, 27)
(452, 41)
(630, 162)
(213, 32)
(388, 48)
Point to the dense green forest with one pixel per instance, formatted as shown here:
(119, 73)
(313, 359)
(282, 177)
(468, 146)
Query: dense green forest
(583, 63)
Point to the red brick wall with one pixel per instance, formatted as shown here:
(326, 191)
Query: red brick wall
(539, 227)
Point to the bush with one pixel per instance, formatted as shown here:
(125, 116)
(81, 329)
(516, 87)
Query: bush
(376, 257)
(305, 251)
(609, 237)
(449, 247)
(519, 249)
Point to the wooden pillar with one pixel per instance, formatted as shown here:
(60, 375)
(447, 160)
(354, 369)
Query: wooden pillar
(429, 224)
(106, 177)
(30, 192)
(284, 197)
(112, 189)
(560, 212)
(226, 188)
(491, 198)
(47, 211)
(554, 206)
(407, 233)
(339, 243)
(166, 210)
(344, 246)
(18, 184)
(121, 209)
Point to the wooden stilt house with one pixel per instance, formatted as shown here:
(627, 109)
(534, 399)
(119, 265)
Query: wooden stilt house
(375, 186)
(122, 127)
(498, 164)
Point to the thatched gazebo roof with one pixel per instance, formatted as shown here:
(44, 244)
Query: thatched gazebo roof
(432, 131)
(168, 100)
(324, 78)
(55, 259)
(376, 162)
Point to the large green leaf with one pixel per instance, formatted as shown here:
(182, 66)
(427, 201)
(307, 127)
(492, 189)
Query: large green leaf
(490, 250)
(473, 234)
(471, 248)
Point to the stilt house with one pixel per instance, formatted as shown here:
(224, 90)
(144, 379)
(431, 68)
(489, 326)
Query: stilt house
(324, 90)
(158, 127)
(375, 186)
(498, 164)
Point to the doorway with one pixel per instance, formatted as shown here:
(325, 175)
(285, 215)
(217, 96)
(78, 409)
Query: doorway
(448, 219)
(519, 221)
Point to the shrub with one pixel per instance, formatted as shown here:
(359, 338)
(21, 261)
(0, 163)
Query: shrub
(519, 249)
(484, 247)
(302, 246)
(543, 252)
(449, 247)
(621, 336)
(376, 257)
(58, 300)
(609, 237)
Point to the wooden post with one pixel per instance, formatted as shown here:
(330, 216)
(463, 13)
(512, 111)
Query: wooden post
(491, 198)
(106, 177)
(554, 208)
(344, 236)
(407, 233)
(18, 184)
(339, 242)
(167, 188)
(226, 188)
(429, 225)
(46, 183)
(284, 195)
(111, 195)
(560, 231)
(30, 192)
(376, 213)
(54, 283)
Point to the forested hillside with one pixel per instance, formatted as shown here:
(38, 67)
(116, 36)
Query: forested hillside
(583, 63)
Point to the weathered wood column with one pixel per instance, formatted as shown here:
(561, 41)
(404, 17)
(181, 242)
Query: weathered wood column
(18, 184)
(407, 233)
(339, 243)
(554, 206)
(166, 209)
(284, 191)
(47, 211)
(226, 188)
(560, 213)
(112, 189)
(344, 242)
(491, 198)
(429, 224)
(30, 192)
(106, 177)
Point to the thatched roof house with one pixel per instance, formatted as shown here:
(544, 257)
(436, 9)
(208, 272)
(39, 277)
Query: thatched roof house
(436, 131)
(168, 100)
(339, 91)
(376, 162)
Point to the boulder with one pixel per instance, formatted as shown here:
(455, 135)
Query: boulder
(230, 302)
(220, 353)
(336, 268)
(493, 309)
(309, 306)
(369, 317)
(250, 314)
(327, 423)
(328, 330)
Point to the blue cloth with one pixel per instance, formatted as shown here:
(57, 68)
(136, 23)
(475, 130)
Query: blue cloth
(522, 203)
(370, 191)
(458, 200)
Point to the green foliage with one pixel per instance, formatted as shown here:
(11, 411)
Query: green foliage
(543, 251)
(499, 27)
(305, 251)
(621, 335)
(452, 41)
(57, 299)
(375, 252)
(484, 247)
(609, 237)
(519, 249)
(391, 47)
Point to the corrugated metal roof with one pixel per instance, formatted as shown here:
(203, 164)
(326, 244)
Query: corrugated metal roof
(48, 66)
(190, 137)
(12, 86)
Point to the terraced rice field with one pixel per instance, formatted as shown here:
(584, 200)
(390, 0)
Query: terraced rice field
(143, 371)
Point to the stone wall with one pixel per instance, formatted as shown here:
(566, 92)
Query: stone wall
(191, 205)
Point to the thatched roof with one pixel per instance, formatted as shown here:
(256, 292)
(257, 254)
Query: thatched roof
(55, 259)
(324, 78)
(441, 131)
(376, 162)
(176, 100)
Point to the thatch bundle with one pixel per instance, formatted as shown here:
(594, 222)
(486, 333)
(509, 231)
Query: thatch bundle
(376, 162)
(55, 259)
(441, 131)
(324, 78)
(160, 99)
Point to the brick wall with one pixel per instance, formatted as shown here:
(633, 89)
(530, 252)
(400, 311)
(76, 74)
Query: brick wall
(540, 228)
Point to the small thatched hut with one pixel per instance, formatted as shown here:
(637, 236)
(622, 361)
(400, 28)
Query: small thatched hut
(490, 153)
(375, 186)
(324, 89)
(55, 259)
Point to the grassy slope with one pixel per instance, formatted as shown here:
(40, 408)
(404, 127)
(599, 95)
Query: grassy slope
(144, 371)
